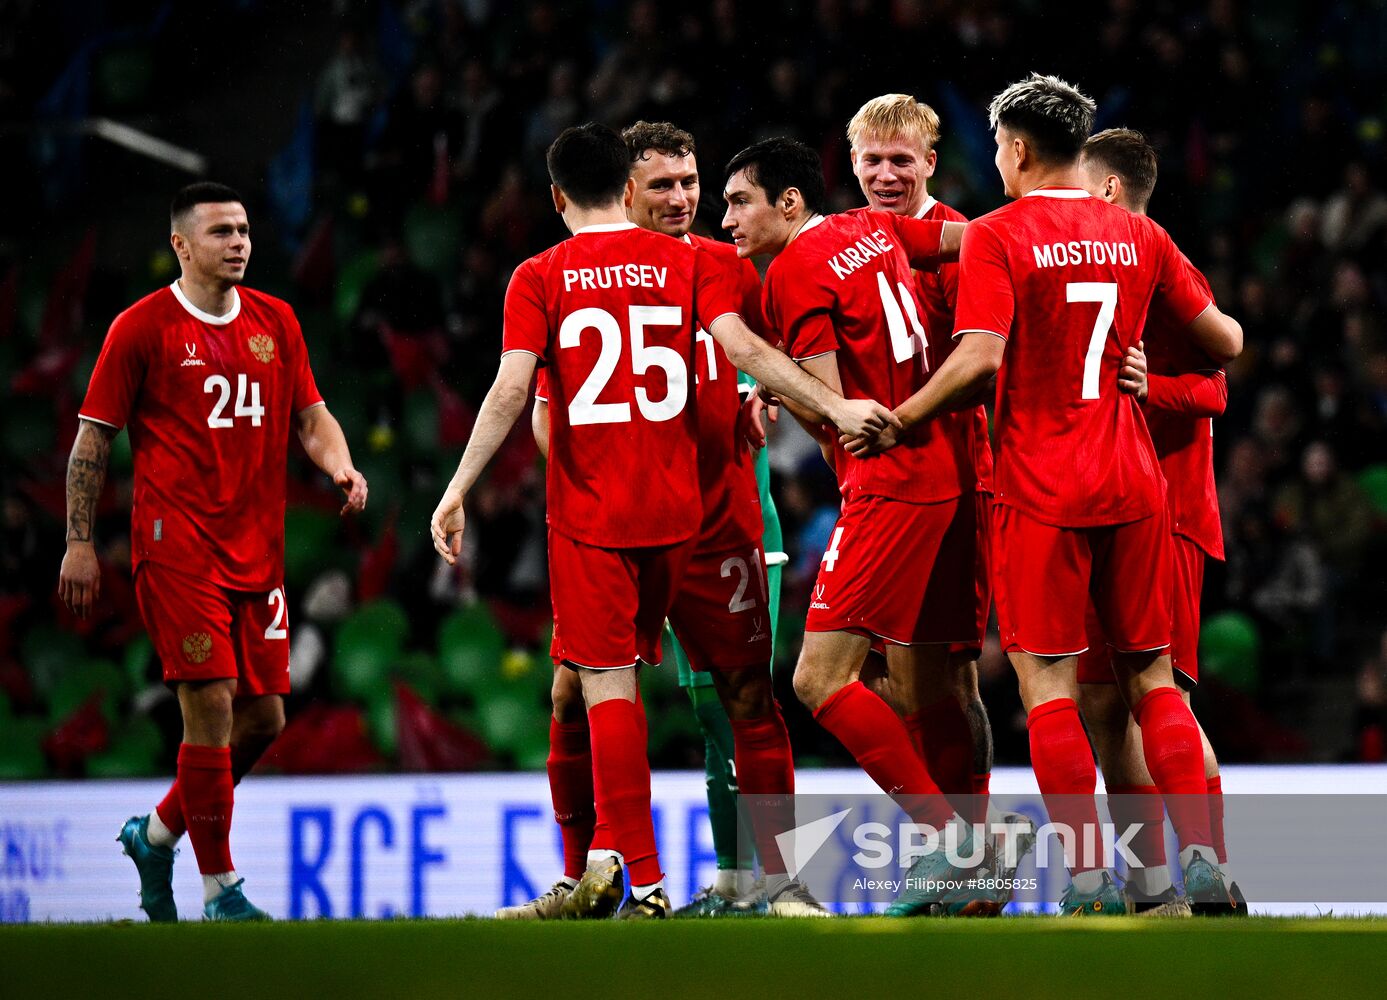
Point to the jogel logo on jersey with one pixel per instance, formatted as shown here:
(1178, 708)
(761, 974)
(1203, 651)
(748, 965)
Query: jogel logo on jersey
(262, 347)
(197, 647)
(192, 360)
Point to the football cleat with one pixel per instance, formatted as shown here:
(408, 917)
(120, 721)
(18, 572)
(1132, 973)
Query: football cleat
(793, 899)
(755, 903)
(1168, 904)
(653, 907)
(707, 902)
(597, 894)
(545, 907)
(1106, 901)
(231, 906)
(1234, 906)
(926, 883)
(1021, 830)
(155, 867)
(1204, 884)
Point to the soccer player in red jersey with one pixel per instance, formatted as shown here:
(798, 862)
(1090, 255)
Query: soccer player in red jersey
(720, 614)
(1054, 289)
(612, 313)
(841, 294)
(1180, 396)
(210, 377)
(892, 144)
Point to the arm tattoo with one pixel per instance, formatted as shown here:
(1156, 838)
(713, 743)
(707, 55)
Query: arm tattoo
(86, 475)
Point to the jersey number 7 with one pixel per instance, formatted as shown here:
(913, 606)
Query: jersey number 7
(1105, 294)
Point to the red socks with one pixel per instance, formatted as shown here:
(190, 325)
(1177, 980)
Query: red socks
(621, 783)
(1214, 786)
(1133, 804)
(1175, 757)
(765, 768)
(1064, 769)
(877, 738)
(170, 811)
(945, 743)
(205, 787)
(570, 786)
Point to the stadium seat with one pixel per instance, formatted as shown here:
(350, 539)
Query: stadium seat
(80, 684)
(139, 655)
(1373, 480)
(47, 653)
(506, 719)
(421, 423)
(21, 754)
(432, 237)
(380, 722)
(308, 544)
(470, 648)
(352, 279)
(1229, 646)
(133, 753)
(368, 645)
(421, 672)
(123, 77)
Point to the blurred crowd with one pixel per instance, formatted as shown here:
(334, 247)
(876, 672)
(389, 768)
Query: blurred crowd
(414, 182)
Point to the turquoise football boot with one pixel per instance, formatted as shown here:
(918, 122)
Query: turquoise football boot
(155, 865)
(231, 906)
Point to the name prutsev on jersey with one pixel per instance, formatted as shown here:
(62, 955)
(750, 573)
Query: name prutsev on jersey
(1084, 252)
(847, 261)
(615, 276)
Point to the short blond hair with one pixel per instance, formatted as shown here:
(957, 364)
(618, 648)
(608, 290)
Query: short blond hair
(894, 115)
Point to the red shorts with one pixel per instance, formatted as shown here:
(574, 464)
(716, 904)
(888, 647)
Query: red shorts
(982, 576)
(721, 614)
(1045, 577)
(1095, 665)
(203, 632)
(612, 602)
(901, 571)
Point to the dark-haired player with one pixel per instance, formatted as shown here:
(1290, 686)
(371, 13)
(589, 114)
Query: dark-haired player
(841, 295)
(210, 377)
(1054, 289)
(1180, 396)
(723, 616)
(612, 313)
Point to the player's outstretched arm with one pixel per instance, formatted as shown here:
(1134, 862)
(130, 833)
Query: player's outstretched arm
(958, 380)
(500, 410)
(79, 580)
(326, 445)
(751, 354)
(1219, 335)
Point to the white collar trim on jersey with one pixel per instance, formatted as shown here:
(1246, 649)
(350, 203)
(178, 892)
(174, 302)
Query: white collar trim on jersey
(606, 227)
(924, 209)
(1074, 193)
(207, 317)
(806, 227)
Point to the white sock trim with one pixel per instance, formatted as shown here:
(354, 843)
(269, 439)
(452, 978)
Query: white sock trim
(159, 834)
(641, 891)
(212, 885)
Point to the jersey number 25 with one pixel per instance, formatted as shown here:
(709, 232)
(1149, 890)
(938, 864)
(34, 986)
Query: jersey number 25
(584, 408)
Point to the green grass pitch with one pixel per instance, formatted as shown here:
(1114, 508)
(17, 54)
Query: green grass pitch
(842, 959)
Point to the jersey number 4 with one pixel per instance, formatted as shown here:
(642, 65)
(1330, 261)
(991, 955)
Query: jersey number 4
(222, 387)
(585, 409)
(1105, 294)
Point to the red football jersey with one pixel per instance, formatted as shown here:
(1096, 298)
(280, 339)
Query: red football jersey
(1184, 443)
(612, 313)
(938, 292)
(1066, 280)
(209, 401)
(844, 284)
(726, 467)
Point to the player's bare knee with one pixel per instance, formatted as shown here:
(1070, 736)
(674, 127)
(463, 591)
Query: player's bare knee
(566, 693)
(746, 694)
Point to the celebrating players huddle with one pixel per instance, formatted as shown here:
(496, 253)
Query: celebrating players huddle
(880, 329)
